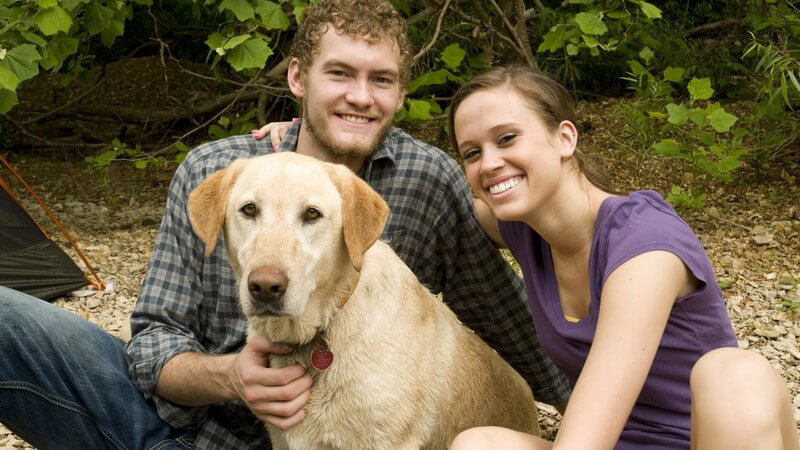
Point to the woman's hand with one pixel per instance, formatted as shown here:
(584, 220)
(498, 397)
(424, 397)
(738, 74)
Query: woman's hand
(276, 131)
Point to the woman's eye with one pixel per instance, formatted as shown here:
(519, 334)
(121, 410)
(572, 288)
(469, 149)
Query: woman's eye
(311, 215)
(470, 154)
(249, 210)
(505, 138)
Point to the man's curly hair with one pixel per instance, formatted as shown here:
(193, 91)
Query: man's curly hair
(371, 20)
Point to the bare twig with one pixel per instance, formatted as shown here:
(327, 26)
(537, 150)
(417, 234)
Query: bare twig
(494, 32)
(711, 27)
(526, 54)
(435, 36)
(420, 16)
(521, 31)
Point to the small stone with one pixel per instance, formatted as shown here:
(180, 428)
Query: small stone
(771, 334)
(93, 302)
(743, 343)
(771, 276)
(762, 239)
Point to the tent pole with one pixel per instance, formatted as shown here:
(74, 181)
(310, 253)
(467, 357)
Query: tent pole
(97, 282)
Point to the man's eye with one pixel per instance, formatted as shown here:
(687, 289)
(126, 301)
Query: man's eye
(249, 210)
(311, 215)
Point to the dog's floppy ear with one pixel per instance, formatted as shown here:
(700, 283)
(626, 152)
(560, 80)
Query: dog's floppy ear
(207, 203)
(364, 213)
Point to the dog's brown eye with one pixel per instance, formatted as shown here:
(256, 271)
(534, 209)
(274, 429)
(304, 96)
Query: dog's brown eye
(249, 209)
(311, 215)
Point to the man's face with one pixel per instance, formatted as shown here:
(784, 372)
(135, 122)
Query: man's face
(350, 93)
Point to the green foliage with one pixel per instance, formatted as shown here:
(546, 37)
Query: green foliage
(777, 70)
(233, 126)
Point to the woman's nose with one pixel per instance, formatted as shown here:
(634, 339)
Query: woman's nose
(491, 161)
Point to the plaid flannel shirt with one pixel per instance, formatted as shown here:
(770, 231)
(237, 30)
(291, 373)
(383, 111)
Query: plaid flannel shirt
(188, 303)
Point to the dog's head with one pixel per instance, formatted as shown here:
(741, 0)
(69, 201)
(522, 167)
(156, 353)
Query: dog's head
(293, 226)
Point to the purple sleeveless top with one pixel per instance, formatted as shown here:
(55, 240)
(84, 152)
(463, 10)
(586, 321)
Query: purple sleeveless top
(626, 227)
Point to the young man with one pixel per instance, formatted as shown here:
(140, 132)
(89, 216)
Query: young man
(188, 353)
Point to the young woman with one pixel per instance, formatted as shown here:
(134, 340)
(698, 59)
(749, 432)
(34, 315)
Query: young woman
(622, 293)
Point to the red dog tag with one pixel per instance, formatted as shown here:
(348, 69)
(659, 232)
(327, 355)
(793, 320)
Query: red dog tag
(321, 358)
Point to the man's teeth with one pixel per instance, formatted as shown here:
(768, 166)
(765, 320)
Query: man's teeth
(355, 119)
(505, 185)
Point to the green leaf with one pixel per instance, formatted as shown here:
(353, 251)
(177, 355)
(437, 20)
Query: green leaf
(7, 100)
(235, 41)
(678, 114)
(299, 7)
(240, 8)
(553, 40)
(637, 68)
(580, 2)
(452, 56)
(52, 20)
(589, 40)
(215, 41)
(110, 34)
(572, 50)
(402, 6)
(674, 74)
(22, 61)
(419, 110)
(705, 137)
(646, 54)
(58, 50)
(618, 14)
(253, 53)
(591, 23)
(432, 78)
(700, 89)
(35, 38)
(272, 16)
(657, 114)
(650, 10)
(721, 120)
(667, 147)
(46, 3)
(98, 17)
(8, 80)
(698, 116)
(141, 164)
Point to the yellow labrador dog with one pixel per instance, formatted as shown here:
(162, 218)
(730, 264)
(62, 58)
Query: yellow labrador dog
(392, 366)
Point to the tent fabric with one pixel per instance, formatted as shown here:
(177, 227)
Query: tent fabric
(29, 261)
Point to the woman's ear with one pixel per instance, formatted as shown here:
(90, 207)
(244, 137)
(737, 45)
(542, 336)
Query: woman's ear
(567, 138)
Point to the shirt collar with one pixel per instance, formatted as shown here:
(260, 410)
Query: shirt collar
(385, 152)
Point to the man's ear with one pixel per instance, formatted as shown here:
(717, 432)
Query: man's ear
(364, 213)
(207, 204)
(400, 100)
(295, 77)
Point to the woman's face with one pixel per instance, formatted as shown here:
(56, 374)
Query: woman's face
(512, 161)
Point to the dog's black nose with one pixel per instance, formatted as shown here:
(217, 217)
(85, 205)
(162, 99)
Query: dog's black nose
(267, 285)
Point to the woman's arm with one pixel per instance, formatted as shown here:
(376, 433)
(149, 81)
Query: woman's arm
(634, 307)
(488, 222)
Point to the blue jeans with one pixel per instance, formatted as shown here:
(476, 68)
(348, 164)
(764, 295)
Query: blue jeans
(64, 383)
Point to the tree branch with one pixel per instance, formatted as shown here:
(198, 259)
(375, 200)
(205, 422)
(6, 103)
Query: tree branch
(528, 55)
(712, 27)
(435, 36)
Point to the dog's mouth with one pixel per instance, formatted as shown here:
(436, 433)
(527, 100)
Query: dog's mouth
(266, 310)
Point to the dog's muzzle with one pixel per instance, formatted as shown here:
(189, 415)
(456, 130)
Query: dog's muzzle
(267, 286)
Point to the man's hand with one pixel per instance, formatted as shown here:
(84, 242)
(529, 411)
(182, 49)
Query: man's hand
(276, 131)
(275, 396)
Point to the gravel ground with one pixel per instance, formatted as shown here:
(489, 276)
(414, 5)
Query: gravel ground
(750, 230)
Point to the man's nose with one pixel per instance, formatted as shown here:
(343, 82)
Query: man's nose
(359, 93)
